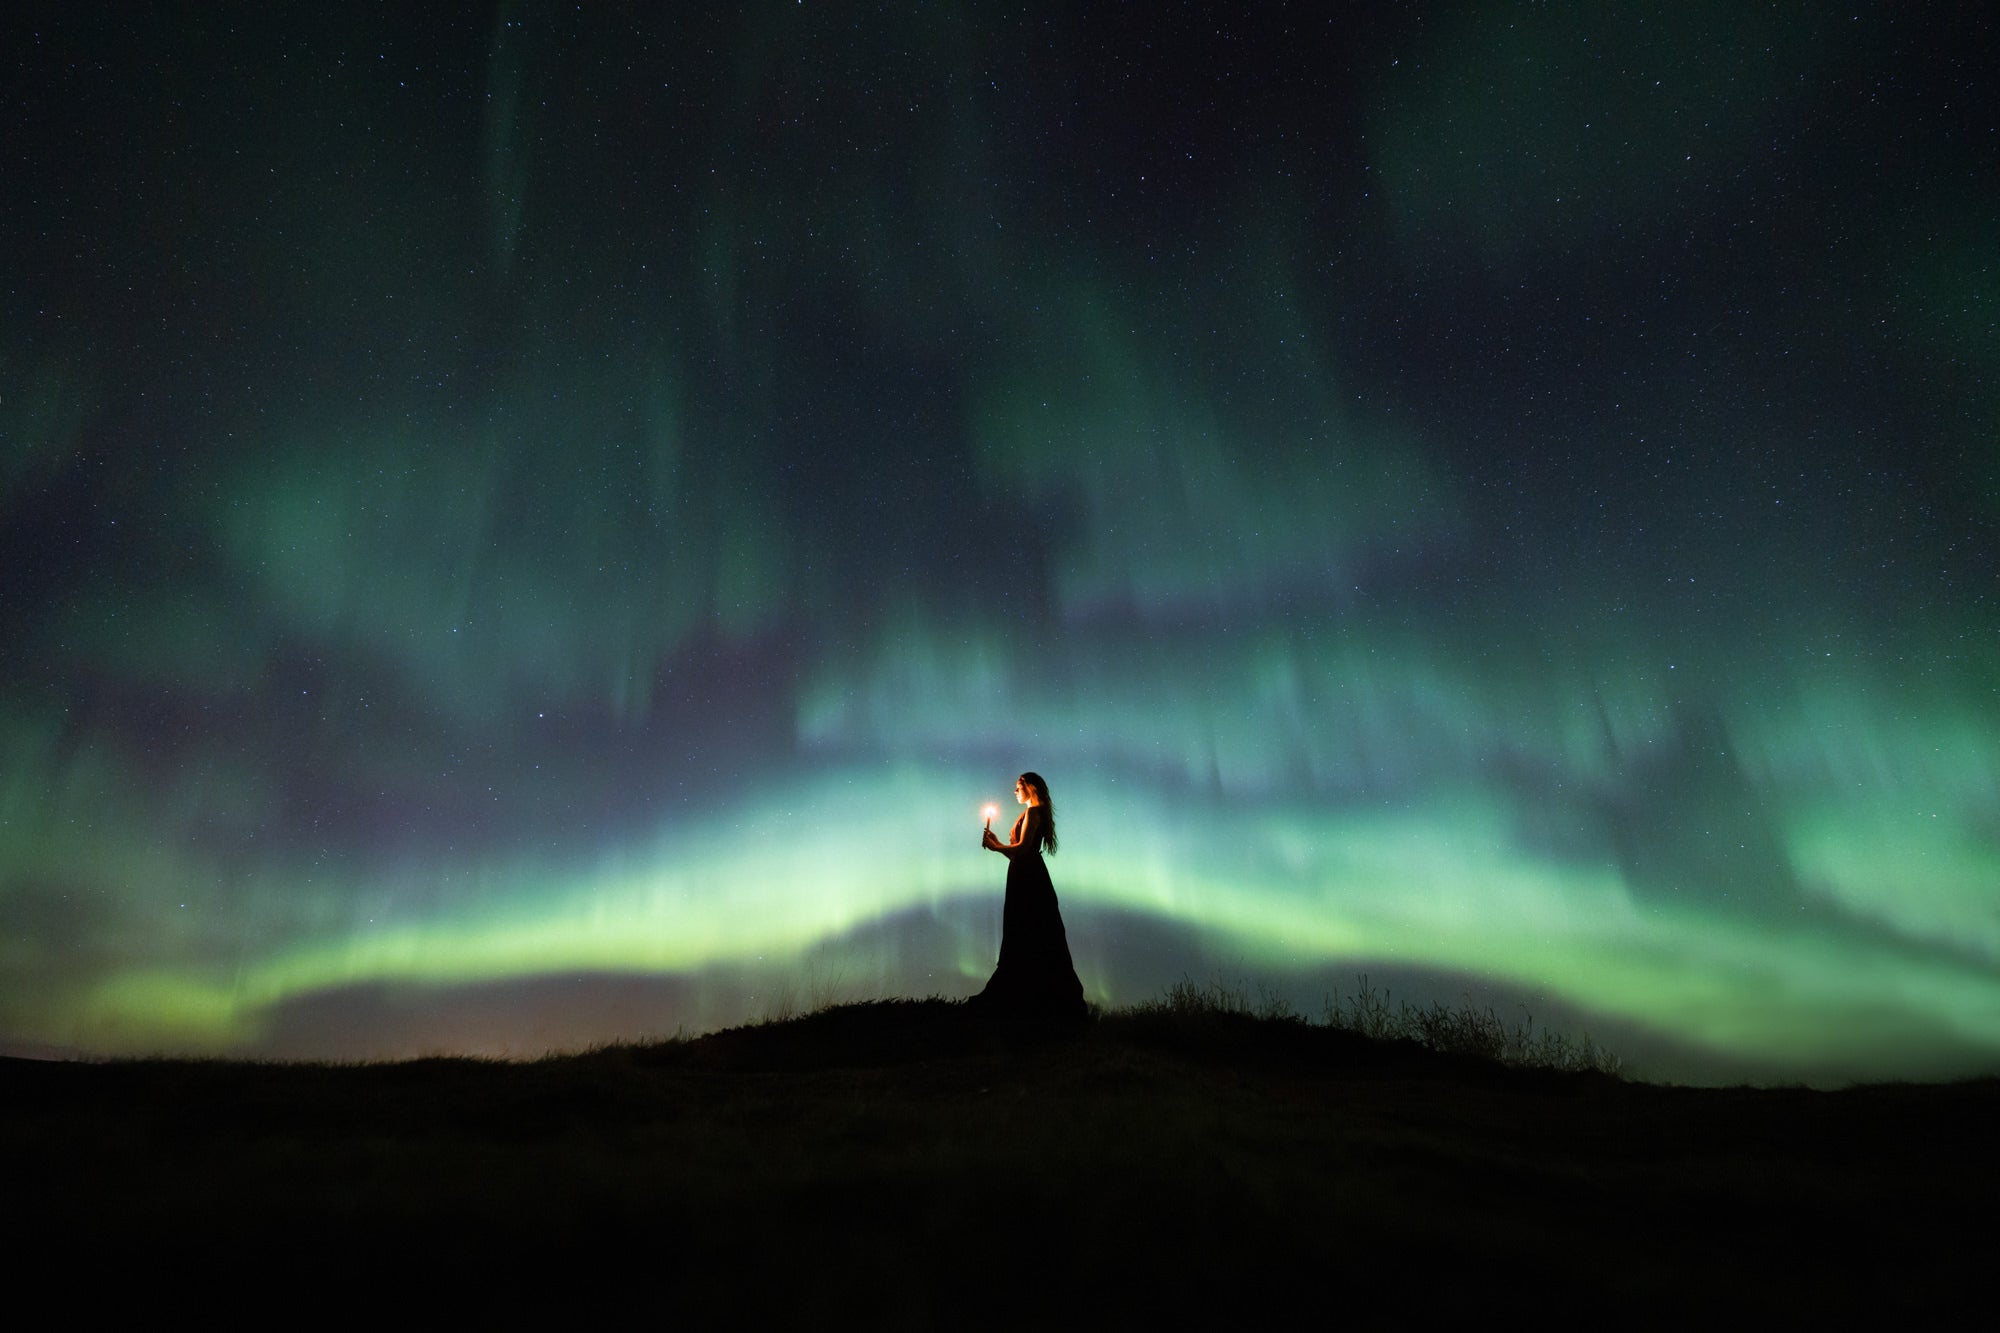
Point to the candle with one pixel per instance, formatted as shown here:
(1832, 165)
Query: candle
(990, 811)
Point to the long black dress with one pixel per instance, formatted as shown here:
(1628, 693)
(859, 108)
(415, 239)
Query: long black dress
(1035, 977)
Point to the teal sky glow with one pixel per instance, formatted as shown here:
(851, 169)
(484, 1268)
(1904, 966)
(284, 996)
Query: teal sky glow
(545, 531)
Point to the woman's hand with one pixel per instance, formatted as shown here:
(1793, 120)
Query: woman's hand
(988, 841)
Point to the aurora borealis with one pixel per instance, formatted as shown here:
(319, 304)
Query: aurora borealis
(546, 528)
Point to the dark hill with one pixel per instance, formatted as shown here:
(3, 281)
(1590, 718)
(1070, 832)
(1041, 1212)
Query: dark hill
(900, 1164)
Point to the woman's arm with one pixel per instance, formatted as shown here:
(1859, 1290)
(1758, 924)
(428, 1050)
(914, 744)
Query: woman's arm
(1027, 833)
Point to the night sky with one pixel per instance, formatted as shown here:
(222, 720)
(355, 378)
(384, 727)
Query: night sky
(545, 525)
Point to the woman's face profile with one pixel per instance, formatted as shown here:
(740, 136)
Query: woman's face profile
(1020, 791)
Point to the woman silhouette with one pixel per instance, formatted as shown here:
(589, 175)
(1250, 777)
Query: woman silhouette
(1035, 976)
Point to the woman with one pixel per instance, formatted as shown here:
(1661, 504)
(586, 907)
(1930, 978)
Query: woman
(1035, 976)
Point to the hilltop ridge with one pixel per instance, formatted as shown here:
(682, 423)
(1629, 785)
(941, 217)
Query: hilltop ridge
(889, 1160)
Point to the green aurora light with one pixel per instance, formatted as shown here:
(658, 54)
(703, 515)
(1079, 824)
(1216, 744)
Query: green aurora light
(589, 500)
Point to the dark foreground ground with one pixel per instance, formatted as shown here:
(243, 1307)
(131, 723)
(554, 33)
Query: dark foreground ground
(897, 1165)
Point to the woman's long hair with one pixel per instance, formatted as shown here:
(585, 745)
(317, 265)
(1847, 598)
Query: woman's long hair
(1048, 820)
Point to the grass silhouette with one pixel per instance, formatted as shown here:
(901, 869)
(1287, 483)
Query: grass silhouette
(1469, 1030)
(900, 1163)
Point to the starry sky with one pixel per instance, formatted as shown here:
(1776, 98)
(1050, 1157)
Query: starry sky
(544, 524)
